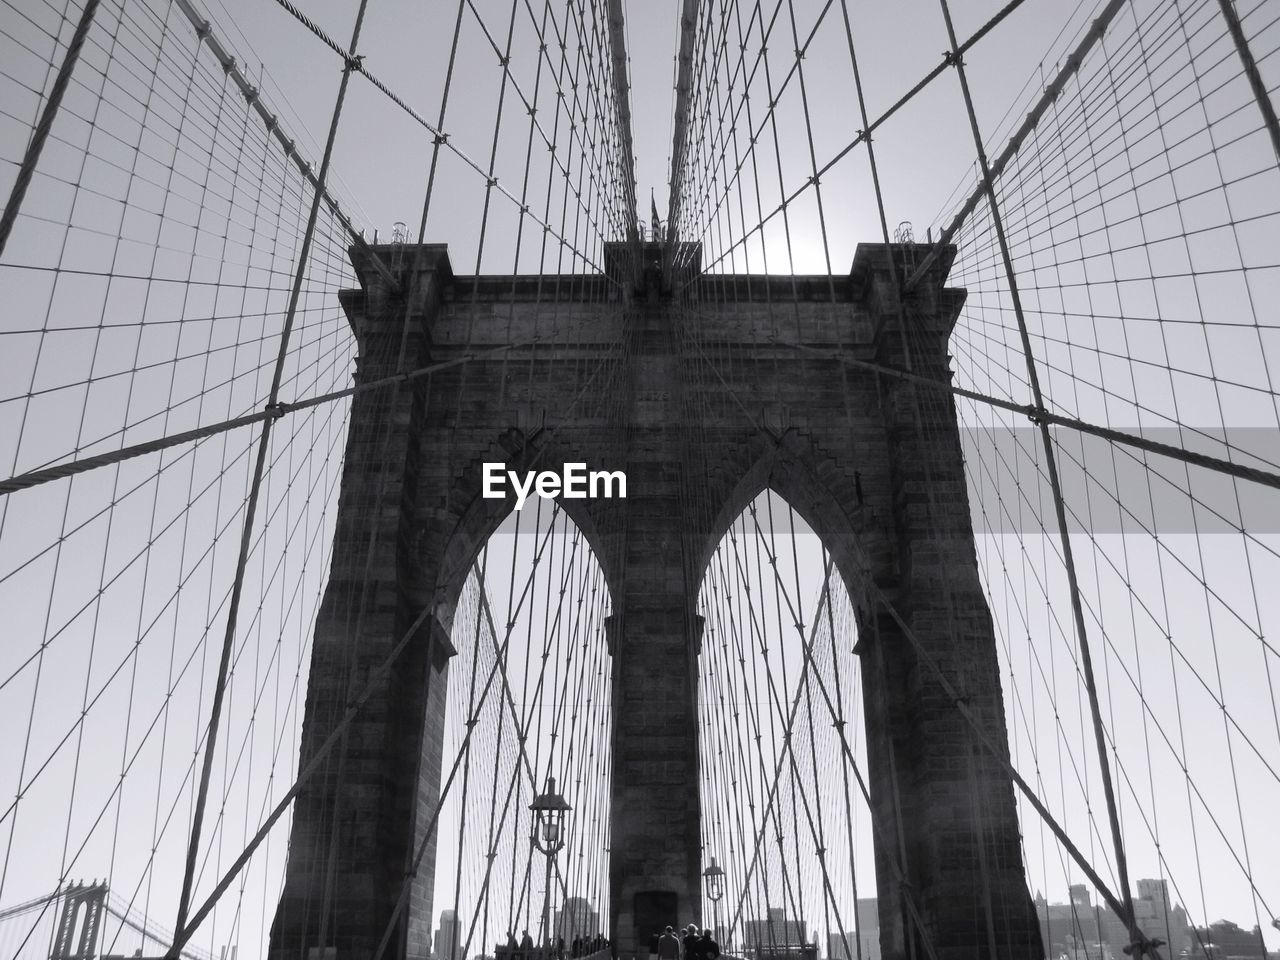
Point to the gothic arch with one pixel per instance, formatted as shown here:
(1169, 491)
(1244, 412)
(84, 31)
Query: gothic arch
(479, 517)
(829, 496)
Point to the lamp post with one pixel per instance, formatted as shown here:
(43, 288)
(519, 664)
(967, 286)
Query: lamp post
(713, 876)
(547, 834)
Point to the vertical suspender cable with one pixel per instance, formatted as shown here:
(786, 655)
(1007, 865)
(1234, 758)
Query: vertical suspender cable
(352, 64)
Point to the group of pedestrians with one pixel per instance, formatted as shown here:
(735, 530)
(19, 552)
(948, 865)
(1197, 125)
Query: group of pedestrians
(689, 944)
(585, 946)
(525, 949)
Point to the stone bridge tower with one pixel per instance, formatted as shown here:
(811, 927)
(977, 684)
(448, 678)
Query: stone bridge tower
(872, 463)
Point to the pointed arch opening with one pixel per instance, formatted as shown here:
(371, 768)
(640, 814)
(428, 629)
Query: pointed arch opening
(524, 711)
(782, 740)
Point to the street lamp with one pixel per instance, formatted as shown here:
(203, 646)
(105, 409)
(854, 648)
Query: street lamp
(713, 876)
(548, 836)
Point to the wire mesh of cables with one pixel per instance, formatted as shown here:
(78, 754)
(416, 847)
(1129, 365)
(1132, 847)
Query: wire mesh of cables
(171, 262)
(172, 258)
(147, 280)
(1125, 253)
(1141, 216)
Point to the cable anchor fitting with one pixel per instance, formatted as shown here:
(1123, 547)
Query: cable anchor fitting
(952, 59)
(353, 64)
(1143, 946)
(276, 410)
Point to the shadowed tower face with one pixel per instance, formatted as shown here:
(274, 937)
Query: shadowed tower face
(872, 464)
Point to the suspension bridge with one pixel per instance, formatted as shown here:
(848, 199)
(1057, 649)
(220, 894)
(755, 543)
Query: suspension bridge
(916, 593)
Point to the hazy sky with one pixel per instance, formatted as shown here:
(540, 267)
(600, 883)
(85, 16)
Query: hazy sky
(1181, 621)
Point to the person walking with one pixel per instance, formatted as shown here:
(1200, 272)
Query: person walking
(708, 949)
(668, 945)
(689, 941)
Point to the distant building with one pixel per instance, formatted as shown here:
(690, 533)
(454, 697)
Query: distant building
(861, 940)
(868, 915)
(1158, 917)
(774, 934)
(841, 947)
(448, 938)
(576, 918)
(1225, 940)
(1083, 928)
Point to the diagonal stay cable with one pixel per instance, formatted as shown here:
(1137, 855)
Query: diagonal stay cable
(41, 133)
(273, 412)
(1264, 477)
(149, 931)
(1138, 942)
(1050, 96)
(962, 707)
(1250, 66)
(264, 441)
